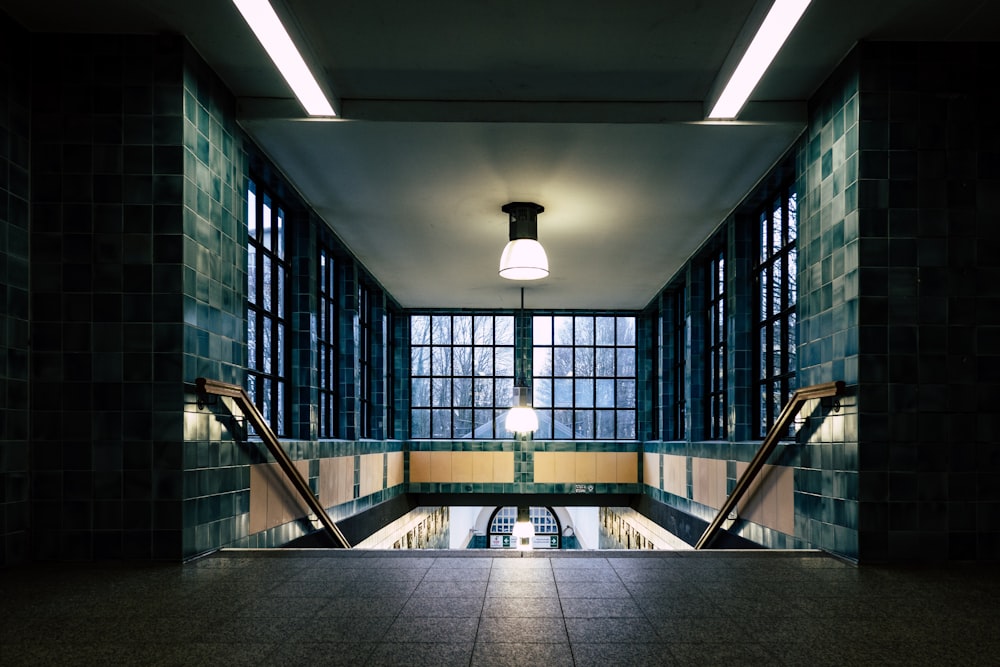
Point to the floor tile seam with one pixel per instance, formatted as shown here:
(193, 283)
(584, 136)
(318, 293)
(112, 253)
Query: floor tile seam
(562, 615)
(479, 621)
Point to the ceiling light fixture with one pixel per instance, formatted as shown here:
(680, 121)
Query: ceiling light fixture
(770, 37)
(524, 257)
(264, 22)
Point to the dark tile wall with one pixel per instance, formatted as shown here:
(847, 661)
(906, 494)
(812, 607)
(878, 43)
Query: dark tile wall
(107, 307)
(929, 219)
(14, 284)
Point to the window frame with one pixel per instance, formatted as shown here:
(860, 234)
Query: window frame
(716, 374)
(501, 386)
(268, 365)
(327, 343)
(776, 379)
(676, 302)
(365, 360)
(592, 399)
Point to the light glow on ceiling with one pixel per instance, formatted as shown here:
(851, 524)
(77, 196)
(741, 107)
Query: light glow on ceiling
(266, 25)
(770, 37)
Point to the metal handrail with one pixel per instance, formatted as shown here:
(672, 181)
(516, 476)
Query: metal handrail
(779, 428)
(253, 415)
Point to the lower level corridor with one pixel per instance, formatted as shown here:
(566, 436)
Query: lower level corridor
(477, 607)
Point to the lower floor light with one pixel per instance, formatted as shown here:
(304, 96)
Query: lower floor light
(524, 530)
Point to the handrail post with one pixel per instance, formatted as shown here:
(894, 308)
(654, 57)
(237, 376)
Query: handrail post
(770, 441)
(253, 415)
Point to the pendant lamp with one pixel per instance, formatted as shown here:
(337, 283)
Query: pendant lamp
(524, 257)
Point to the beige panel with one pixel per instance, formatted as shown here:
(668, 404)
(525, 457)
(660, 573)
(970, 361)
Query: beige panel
(441, 467)
(482, 467)
(325, 482)
(258, 499)
(770, 500)
(544, 468)
(628, 467)
(586, 467)
(371, 469)
(785, 500)
(394, 469)
(651, 469)
(420, 467)
(503, 467)
(343, 479)
(461, 466)
(277, 512)
(709, 481)
(605, 466)
(563, 467)
(675, 474)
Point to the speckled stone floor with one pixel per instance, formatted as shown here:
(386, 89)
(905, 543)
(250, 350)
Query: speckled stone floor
(607, 608)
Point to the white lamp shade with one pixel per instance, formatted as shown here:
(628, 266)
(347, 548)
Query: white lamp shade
(524, 259)
(522, 419)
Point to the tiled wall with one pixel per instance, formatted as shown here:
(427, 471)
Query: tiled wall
(107, 234)
(14, 280)
(826, 481)
(214, 172)
(929, 320)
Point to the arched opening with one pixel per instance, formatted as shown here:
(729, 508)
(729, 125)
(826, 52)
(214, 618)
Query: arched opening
(548, 531)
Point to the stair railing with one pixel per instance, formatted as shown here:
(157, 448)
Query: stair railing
(256, 419)
(777, 430)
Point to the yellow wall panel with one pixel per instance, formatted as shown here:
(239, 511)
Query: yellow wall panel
(343, 480)
(441, 467)
(462, 466)
(544, 468)
(605, 466)
(628, 467)
(586, 467)
(563, 467)
(651, 469)
(708, 481)
(394, 469)
(482, 467)
(503, 467)
(258, 499)
(372, 467)
(675, 474)
(420, 467)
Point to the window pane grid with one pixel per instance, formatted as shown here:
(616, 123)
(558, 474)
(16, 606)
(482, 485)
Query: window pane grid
(365, 361)
(326, 342)
(461, 375)
(716, 347)
(584, 376)
(776, 326)
(267, 274)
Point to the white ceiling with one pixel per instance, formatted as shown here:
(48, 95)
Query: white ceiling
(590, 108)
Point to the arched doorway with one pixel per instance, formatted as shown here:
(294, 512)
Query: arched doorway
(548, 531)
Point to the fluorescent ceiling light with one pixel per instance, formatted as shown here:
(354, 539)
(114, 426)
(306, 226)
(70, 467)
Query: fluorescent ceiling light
(773, 32)
(274, 38)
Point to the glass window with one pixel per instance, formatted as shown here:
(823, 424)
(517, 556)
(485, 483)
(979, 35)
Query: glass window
(267, 279)
(776, 292)
(715, 385)
(584, 376)
(366, 363)
(461, 375)
(326, 343)
(677, 355)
